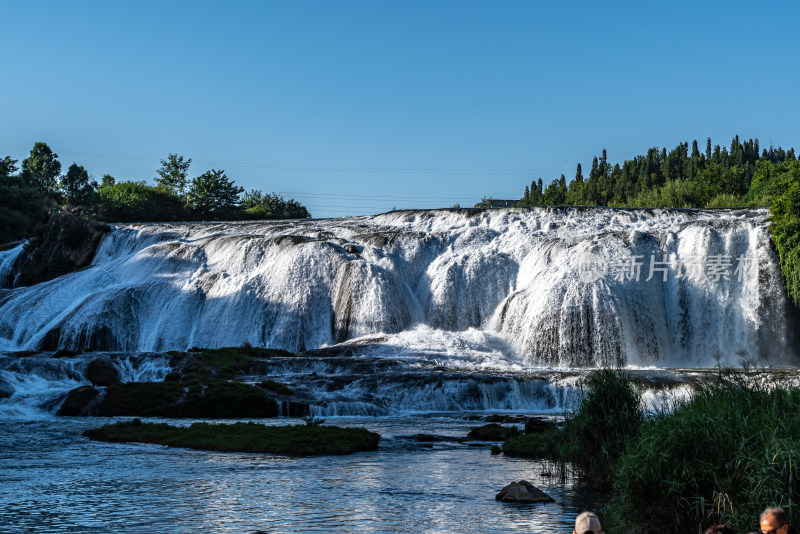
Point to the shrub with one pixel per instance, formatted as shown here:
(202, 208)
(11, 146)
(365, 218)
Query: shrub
(594, 436)
(719, 458)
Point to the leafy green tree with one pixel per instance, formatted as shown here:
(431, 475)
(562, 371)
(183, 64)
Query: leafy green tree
(76, 185)
(213, 194)
(173, 172)
(486, 202)
(22, 206)
(138, 202)
(107, 180)
(258, 205)
(41, 168)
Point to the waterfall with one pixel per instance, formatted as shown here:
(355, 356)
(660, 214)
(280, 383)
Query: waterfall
(7, 258)
(546, 287)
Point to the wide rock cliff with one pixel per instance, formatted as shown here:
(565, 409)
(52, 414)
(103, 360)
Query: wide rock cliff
(65, 244)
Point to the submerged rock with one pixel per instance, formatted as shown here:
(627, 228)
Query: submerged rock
(78, 400)
(537, 425)
(522, 492)
(5, 390)
(101, 372)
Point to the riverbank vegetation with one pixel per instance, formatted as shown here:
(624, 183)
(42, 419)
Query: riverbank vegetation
(288, 440)
(720, 457)
(36, 187)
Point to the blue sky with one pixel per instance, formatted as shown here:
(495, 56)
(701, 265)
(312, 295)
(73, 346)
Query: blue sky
(360, 107)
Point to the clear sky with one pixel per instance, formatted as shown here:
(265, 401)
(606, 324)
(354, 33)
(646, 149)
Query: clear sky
(359, 107)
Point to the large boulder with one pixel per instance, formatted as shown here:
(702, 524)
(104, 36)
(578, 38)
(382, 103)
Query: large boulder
(522, 492)
(6, 390)
(78, 400)
(537, 425)
(63, 245)
(101, 372)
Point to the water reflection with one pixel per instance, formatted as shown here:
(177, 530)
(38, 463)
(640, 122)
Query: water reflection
(55, 480)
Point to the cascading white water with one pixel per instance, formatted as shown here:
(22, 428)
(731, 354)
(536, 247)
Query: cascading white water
(36, 385)
(544, 287)
(7, 258)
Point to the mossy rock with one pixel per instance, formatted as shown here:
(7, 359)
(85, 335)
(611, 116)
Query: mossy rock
(77, 401)
(299, 440)
(101, 372)
(221, 398)
(224, 363)
(213, 399)
(150, 399)
(277, 387)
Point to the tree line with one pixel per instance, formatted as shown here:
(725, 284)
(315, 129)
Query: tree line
(680, 178)
(741, 175)
(29, 192)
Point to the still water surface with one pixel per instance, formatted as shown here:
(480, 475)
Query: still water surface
(54, 480)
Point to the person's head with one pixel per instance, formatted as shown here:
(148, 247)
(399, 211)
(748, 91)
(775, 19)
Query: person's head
(588, 523)
(774, 521)
(720, 529)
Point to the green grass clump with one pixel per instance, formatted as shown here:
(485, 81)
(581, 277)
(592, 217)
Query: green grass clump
(593, 437)
(299, 440)
(226, 362)
(721, 457)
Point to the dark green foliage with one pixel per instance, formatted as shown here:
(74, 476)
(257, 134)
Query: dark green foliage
(172, 174)
(258, 205)
(300, 440)
(722, 457)
(213, 195)
(76, 186)
(138, 202)
(26, 198)
(226, 362)
(785, 226)
(677, 178)
(22, 206)
(41, 169)
(594, 436)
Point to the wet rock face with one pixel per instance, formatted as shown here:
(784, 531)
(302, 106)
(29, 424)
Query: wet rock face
(78, 400)
(101, 372)
(5, 390)
(522, 492)
(65, 244)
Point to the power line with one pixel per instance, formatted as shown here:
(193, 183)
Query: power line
(313, 168)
